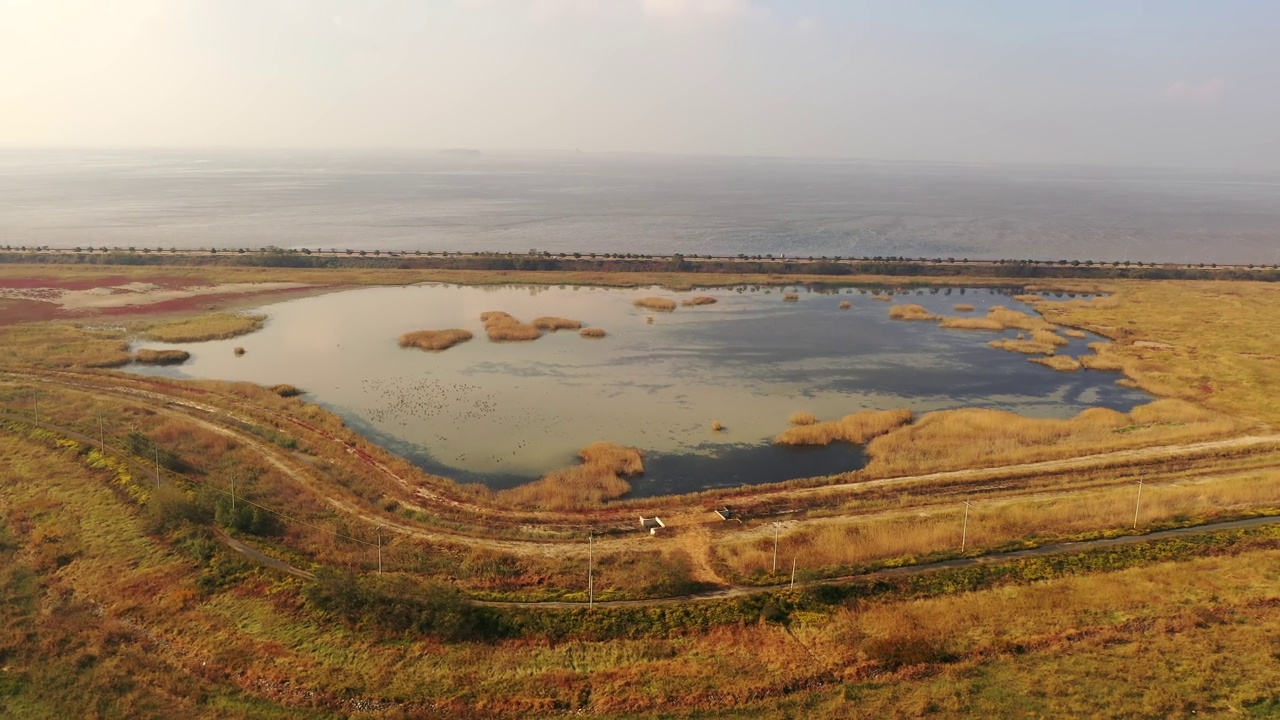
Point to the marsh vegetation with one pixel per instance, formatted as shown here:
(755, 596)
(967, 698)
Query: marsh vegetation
(660, 304)
(857, 428)
(502, 327)
(214, 326)
(434, 340)
(161, 357)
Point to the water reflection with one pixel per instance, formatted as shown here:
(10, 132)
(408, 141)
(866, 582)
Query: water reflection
(503, 413)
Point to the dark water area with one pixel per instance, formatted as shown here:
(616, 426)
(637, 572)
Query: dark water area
(574, 202)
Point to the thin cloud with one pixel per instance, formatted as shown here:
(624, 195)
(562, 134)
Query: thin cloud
(695, 10)
(1201, 93)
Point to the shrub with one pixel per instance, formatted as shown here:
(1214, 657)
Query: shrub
(845, 305)
(287, 391)
(790, 297)
(964, 307)
(803, 417)
(593, 332)
(700, 300)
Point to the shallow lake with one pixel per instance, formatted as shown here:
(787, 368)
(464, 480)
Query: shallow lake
(504, 413)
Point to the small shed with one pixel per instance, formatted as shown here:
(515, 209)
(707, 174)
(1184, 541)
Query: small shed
(651, 524)
(726, 514)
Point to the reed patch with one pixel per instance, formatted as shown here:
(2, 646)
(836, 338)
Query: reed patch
(911, 312)
(434, 340)
(592, 332)
(161, 357)
(548, 322)
(659, 304)
(214, 326)
(599, 478)
(857, 428)
(502, 327)
(700, 300)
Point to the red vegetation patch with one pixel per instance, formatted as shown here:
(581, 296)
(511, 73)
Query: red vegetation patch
(14, 311)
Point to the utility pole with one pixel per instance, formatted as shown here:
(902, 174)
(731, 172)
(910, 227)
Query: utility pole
(793, 572)
(379, 549)
(35, 400)
(776, 529)
(157, 447)
(102, 437)
(964, 532)
(1137, 505)
(591, 571)
(233, 494)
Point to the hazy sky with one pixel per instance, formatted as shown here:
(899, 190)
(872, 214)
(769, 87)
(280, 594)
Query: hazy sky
(1163, 82)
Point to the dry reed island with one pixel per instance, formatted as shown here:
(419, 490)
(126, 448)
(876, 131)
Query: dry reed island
(204, 549)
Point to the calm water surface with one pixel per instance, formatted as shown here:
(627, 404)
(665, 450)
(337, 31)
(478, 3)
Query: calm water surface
(503, 413)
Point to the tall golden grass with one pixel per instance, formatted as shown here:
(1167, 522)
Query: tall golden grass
(592, 332)
(700, 300)
(976, 437)
(790, 297)
(659, 304)
(1030, 347)
(1075, 333)
(502, 327)
(911, 312)
(964, 307)
(286, 390)
(599, 478)
(215, 326)
(857, 428)
(552, 323)
(882, 298)
(971, 323)
(892, 535)
(717, 426)
(434, 339)
(161, 357)
(1061, 363)
(1028, 298)
(802, 417)
(1018, 320)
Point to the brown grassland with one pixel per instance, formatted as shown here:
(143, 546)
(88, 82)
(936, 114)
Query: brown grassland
(117, 599)
(434, 340)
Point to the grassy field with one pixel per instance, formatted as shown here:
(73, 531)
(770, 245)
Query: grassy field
(102, 617)
(118, 600)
